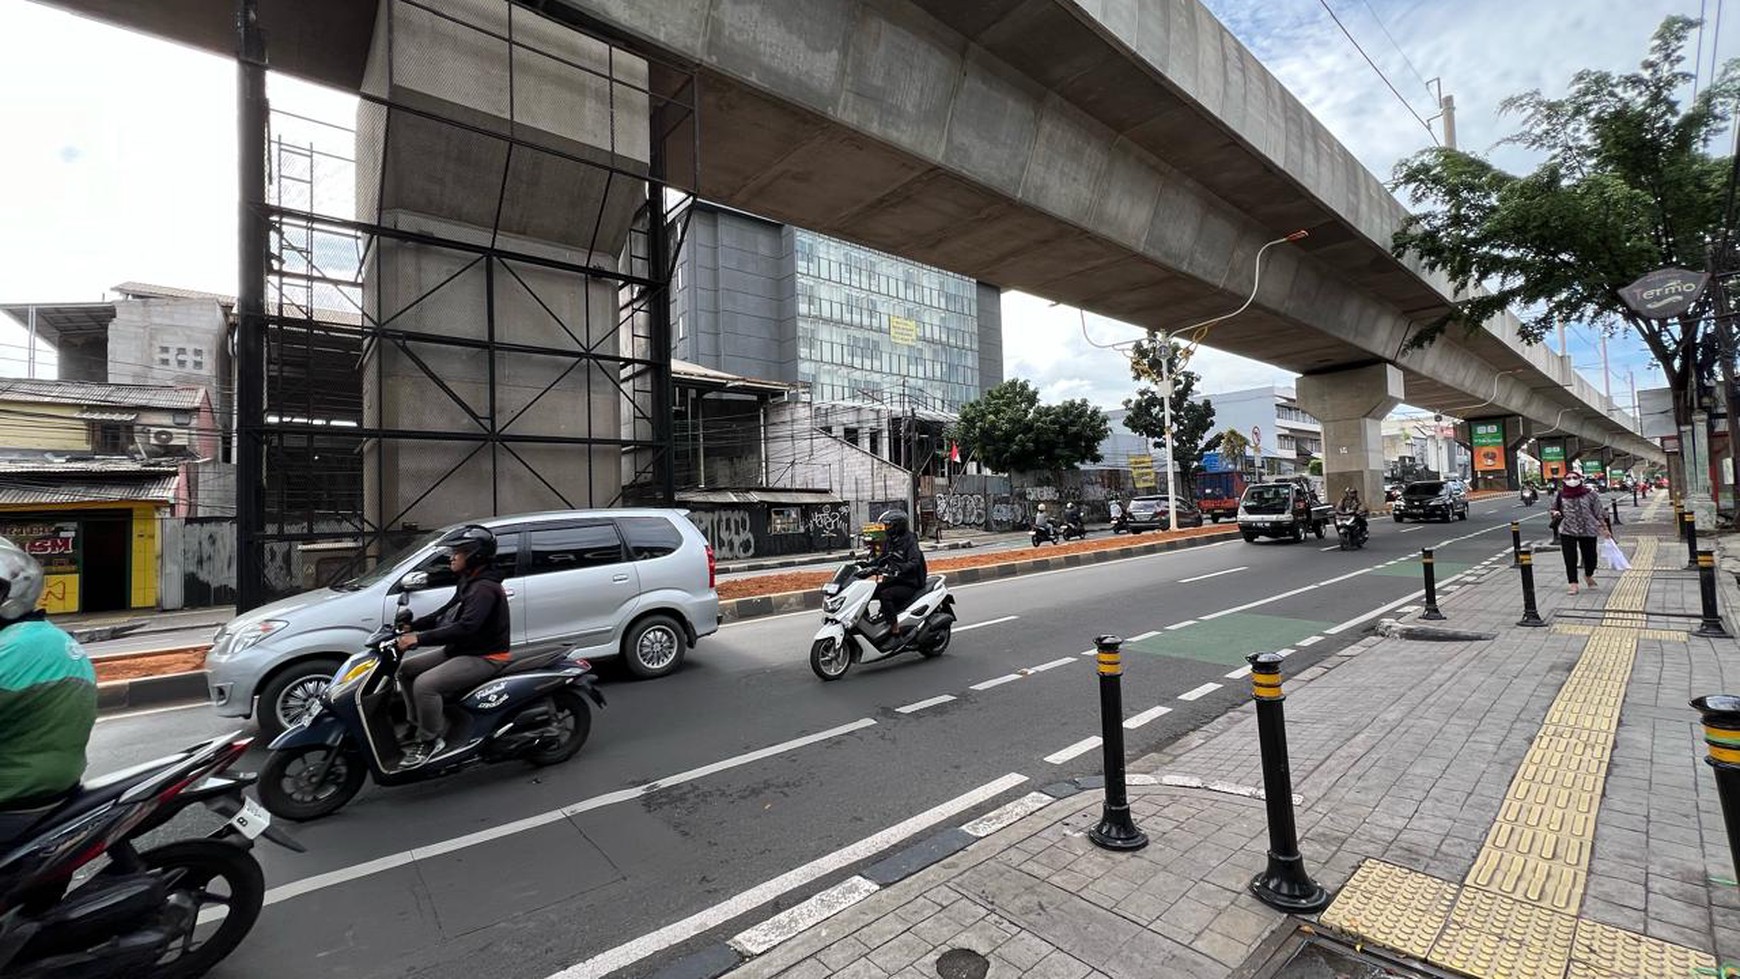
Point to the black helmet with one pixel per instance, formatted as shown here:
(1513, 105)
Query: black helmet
(474, 541)
(896, 521)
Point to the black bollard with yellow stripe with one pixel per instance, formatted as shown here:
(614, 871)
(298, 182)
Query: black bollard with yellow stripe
(1711, 625)
(1722, 735)
(1116, 830)
(1515, 543)
(1691, 535)
(1531, 615)
(1679, 519)
(1429, 568)
(1283, 884)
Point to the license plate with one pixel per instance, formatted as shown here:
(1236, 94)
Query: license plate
(252, 820)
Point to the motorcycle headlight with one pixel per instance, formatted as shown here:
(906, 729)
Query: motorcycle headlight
(353, 674)
(254, 634)
(833, 604)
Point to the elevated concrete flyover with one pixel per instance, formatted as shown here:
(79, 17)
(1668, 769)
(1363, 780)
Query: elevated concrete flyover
(1127, 156)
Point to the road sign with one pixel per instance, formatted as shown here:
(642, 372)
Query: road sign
(1142, 472)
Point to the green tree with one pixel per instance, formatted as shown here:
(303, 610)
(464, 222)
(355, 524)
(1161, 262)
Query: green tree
(1233, 446)
(1316, 467)
(1010, 431)
(1626, 186)
(1151, 361)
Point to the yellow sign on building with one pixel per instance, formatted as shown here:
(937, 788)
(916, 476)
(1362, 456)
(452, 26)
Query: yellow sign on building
(1142, 472)
(902, 330)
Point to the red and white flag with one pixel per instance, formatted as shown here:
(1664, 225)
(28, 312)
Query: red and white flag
(954, 452)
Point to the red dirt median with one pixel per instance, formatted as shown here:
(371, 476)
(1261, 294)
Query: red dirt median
(132, 666)
(790, 581)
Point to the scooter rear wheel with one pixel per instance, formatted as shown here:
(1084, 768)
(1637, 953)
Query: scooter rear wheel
(938, 643)
(574, 718)
(829, 659)
(286, 784)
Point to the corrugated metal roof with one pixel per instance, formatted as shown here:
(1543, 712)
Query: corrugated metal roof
(92, 393)
(42, 489)
(784, 497)
(97, 415)
(145, 290)
(114, 465)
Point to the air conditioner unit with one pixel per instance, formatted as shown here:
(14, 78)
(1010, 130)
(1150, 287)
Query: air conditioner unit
(154, 442)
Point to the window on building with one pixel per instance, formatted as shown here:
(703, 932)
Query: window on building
(111, 438)
(785, 520)
(875, 443)
(181, 357)
(851, 435)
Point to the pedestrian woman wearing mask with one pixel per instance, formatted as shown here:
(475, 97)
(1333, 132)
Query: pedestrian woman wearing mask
(1581, 525)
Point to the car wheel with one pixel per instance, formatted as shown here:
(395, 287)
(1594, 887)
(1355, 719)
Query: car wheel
(654, 647)
(1216, 518)
(1462, 516)
(1399, 518)
(1250, 538)
(289, 694)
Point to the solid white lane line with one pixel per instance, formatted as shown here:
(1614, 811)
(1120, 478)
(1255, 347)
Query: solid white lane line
(921, 705)
(1008, 814)
(306, 885)
(1212, 574)
(1135, 721)
(996, 681)
(795, 920)
(1410, 530)
(652, 943)
(1180, 625)
(1199, 692)
(1083, 746)
(1146, 635)
(1308, 641)
(981, 625)
(154, 710)
(1260, 601)
(1052, 665)
(1332, 547)
(1239, 673)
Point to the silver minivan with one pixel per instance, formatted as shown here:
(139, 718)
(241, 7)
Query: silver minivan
(639, 583)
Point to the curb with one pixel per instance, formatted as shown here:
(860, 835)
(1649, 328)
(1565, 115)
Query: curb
(719, 958)
(758, 606)
(151, 691)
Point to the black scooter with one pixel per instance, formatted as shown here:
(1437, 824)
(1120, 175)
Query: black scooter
(1351, 530)
(535, 710)
(1047, 534)
(1529, 496)
(1074, 528)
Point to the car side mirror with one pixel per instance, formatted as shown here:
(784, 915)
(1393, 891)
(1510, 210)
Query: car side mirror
(414, 581)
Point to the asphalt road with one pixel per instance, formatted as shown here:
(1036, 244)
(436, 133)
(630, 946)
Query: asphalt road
(485, 873)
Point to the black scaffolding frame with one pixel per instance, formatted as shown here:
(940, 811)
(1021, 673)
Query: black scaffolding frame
(307, 339)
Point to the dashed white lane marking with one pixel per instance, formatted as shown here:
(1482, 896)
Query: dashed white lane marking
(652, 943)
(1332, 547)
(921, 705)
(1410, 530)
(1284, 653)
(1080, 747)
(1309, 641)
(1242, 671)
(296, 888)
(1180, 625)
(1146, 635)
(996, 681)
(1212, 574)
(1054, 664)
(981, 625)
(1008, 814)
(1135, 721)
(794, 921)
(1199, 692)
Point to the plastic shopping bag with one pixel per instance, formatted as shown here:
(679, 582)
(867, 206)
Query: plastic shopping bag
(1612, 557)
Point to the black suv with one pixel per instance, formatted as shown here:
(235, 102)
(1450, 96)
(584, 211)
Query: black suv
(1432, 499)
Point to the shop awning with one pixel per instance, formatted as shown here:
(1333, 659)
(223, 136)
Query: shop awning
(42, 489)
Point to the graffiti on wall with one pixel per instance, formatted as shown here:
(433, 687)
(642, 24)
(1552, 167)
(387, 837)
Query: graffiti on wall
(832, 520)
(728, 531)
(961, 509)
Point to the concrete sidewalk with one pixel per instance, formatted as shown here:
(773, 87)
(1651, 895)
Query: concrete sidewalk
(1533, 805)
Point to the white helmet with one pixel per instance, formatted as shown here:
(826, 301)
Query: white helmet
(1041, 508)
(20, 581)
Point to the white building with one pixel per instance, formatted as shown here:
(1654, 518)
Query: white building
(1283, 438)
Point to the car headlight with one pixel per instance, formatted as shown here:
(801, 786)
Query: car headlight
(254, 634)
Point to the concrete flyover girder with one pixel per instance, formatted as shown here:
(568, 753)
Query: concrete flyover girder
(1127, 156)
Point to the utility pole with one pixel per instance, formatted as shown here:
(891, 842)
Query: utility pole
(1166, 398)
(1447, 109)
(1562, 351)
(1636, 409)
(1606, 374)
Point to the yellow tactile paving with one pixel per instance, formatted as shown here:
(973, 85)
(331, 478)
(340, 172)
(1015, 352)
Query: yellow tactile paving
(1665, 635)
(1391, 906)
(1548, 883)
(1627, 953)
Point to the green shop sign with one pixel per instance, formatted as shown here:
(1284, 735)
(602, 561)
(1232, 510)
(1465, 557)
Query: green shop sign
(1593, 467)
(1487, 433)
(1552, 452)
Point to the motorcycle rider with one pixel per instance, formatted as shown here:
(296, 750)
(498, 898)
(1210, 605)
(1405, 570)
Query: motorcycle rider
(473, 632)
(901, 566)
(1072, 517)
(48, 700)
(1042, 522)
(1350, 504)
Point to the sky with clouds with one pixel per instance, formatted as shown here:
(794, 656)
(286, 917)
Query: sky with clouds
(121, 165)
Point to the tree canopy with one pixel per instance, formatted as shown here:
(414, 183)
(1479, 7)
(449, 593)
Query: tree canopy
(1151, 361)
(1626, 185)
(1010, 431)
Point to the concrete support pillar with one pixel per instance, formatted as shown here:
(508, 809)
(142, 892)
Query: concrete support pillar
(1351, 404)
(502, 145)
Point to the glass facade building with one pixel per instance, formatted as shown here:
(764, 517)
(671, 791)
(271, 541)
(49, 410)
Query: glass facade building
(870, 324)
(764, 300)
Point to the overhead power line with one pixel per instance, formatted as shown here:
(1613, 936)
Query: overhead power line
(1399, 49)
(1380, 72)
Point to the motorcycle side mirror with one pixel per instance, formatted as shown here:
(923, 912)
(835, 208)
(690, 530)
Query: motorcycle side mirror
(414, 581)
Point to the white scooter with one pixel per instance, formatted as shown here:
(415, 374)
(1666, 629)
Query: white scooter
(925, 624)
